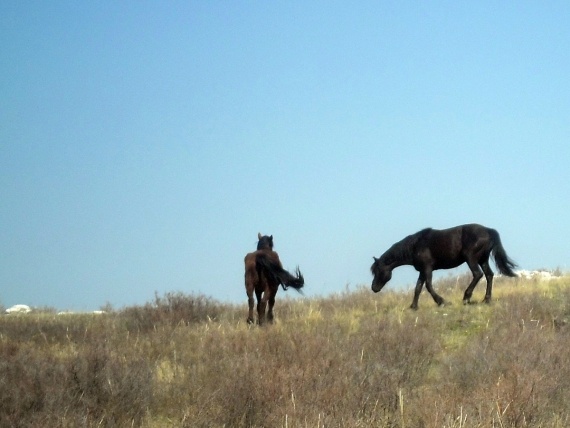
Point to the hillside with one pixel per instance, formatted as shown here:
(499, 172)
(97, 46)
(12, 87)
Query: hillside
(355, 359)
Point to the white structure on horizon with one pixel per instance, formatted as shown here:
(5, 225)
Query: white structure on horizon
(81, 313)
(536, 274)
(19, 309)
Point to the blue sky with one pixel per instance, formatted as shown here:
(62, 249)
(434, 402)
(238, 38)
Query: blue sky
(143, 145)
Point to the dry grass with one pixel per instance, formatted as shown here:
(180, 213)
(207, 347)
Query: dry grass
(355, 359)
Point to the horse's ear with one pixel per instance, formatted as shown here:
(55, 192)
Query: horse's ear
(375, 259)
(258, 235)
(271, 237)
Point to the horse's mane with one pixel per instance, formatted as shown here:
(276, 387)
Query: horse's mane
(402, 251)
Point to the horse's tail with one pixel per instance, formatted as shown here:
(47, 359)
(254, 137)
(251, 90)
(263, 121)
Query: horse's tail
(504, 263)
(273, 269)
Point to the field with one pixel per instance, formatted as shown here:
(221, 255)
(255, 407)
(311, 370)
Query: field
(354, 359)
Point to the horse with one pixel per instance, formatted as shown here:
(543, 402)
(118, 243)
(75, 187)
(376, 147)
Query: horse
(263, 275)
(431, 249)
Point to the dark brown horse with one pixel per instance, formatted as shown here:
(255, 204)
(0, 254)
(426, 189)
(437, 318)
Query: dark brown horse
(263, 275)
(431, 249)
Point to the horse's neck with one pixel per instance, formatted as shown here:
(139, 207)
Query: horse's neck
(403, 262)
(396, 258)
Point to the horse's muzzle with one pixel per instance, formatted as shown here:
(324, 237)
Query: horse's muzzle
(377, 287)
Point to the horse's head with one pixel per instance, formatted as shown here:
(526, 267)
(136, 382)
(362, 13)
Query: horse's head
(265, 242)
(382, 274)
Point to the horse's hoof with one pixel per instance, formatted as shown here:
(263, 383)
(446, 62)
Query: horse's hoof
(249, 321)
(414, 307)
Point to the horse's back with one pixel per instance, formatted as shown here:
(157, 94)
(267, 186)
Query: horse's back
(441, 238)
(449, 248)
(476, 235)
(250, 259)
(471, 228)
(476, 229)
(465, 234)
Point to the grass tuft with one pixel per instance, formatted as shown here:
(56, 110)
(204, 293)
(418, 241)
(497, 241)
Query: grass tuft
(353, 359)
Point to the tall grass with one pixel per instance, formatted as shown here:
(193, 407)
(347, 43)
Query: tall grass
(354, 359)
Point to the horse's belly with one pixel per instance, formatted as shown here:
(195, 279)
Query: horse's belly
(449, 264)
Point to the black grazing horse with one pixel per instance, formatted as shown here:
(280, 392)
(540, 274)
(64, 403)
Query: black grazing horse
(263, 274)
(432, 249)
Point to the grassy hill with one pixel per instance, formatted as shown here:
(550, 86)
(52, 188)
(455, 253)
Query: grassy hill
(355, 359)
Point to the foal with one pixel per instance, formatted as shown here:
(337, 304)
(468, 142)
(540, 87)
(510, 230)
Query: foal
(263, 274)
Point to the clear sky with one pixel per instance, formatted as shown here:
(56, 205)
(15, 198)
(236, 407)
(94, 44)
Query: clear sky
(143, 144)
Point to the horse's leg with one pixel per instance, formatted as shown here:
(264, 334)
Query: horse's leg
(477, 275)
(271, 302)
(436, 297)
(260, 306)
(249, 288)
(417, 291)
(250, 302)
(489, 277)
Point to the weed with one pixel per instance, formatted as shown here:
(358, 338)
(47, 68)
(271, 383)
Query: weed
(354, 359)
